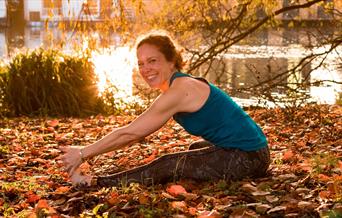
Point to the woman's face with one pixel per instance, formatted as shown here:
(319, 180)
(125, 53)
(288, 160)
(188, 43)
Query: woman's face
(154, 67)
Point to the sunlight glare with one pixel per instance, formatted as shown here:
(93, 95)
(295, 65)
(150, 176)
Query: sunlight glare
(116, 67)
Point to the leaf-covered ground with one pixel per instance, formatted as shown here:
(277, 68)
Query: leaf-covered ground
(304, 179)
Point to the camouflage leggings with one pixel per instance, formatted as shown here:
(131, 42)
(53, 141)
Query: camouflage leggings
(202, 162)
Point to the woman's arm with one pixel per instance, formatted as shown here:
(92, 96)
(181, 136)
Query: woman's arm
(148, 122)
(163, 108)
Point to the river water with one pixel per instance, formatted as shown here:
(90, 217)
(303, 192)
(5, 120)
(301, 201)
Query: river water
(246, 64)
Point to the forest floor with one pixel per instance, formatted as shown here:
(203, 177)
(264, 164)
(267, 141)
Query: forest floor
(304, 179)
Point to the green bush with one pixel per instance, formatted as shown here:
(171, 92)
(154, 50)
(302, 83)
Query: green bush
(3, 82)
(47, 82)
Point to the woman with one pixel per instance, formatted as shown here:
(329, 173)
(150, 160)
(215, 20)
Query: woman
(234, 147)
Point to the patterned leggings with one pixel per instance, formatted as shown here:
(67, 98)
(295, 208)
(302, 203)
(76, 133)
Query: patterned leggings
(203, 162)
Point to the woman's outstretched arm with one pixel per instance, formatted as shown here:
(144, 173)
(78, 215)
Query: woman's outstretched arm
(151, 120)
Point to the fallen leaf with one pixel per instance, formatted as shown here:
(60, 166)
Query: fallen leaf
(276, 209)
(249, 187)
(304, 204)
(149, 159)
(52, 123)
(260, 193)
(272, 198)
(192, 211)
(189, 196)
(32, 197)
(209, 214)
(175, 190)
(143, 199)
(288, 155)
(262, 208)
(179, 205)
(324, 194)
(168, 196)
(323, 177)
(112, 198)
(62, 190)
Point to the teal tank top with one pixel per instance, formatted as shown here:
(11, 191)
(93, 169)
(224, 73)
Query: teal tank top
(221, 121)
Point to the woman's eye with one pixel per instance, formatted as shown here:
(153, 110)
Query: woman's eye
(152, 61)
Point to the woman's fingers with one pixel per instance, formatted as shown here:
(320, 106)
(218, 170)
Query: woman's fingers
(72, 170)
(64, 149)
(70, 158)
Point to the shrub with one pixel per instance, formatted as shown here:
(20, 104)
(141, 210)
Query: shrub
(47, 82)
(3, 81)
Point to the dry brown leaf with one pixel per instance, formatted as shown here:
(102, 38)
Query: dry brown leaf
(209, 214)
(249, 187)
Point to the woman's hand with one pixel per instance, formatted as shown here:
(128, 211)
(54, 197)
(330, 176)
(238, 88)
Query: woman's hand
(72, 158)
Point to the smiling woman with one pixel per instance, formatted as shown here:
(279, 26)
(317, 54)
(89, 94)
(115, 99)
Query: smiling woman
(233, 146)
(116, 68)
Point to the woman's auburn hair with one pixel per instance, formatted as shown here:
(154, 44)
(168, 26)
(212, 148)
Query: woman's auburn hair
(165, 45)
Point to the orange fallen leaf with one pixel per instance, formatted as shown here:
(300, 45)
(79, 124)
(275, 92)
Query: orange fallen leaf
(301, 143)
(337, 178)
(176, 190)
(151, 157)
(334, 187)
(112, 198)
(32, 197)
(62, 190)
(288, 155)
(143, 199)
(122, 160)
(323, 177)
(52, 123)
(50, 129)
(23, 205)
(192, 211)
(179, 205)
(324, 194)
(35, 152)
(18, 148)
(42, 204)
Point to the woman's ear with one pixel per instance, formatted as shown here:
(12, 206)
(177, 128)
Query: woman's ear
(172, 66)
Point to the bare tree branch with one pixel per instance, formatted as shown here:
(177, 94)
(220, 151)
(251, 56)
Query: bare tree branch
(220, 47)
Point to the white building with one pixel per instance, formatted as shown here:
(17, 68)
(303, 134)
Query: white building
(3, 10)
(38, 11)
(3, 47)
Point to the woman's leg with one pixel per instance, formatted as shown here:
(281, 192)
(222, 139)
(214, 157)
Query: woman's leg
(210, 163)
